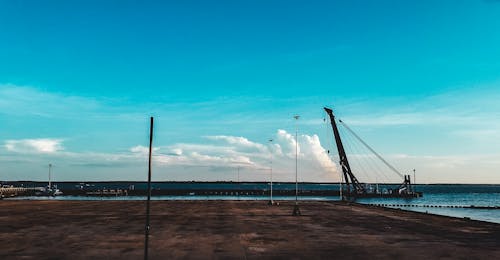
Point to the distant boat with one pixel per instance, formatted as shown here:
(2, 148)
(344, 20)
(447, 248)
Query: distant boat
(49, 190)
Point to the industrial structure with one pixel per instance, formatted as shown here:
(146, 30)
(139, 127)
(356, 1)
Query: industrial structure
(356, 189)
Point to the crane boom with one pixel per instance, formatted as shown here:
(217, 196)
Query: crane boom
(351, 180)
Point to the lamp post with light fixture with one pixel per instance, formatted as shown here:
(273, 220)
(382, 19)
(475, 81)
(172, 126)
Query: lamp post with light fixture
(296, 209)
(271, 202)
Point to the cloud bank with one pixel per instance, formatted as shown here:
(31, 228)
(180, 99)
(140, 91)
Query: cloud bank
(215, 159)
(44, 145)
(226, 153)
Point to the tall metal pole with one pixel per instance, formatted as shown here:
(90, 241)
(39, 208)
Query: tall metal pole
(146, 244)
(271, 202)
(296, 210)
(414, 180)
(296, 161)
(50, 173)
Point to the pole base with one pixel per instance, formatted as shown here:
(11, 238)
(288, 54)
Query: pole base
(270, 203)
(296, 210)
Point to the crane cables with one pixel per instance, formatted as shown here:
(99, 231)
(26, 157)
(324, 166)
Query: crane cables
(371, 149)
(358, 158)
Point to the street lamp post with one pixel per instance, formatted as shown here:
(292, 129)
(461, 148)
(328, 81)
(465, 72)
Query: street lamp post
(414, 180)
(50, 176)
(239, 184)
(271, 202)
(296, 209)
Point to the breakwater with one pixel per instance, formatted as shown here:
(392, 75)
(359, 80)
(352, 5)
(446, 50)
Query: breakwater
(436, 206)
(8, 192)
(197, 192)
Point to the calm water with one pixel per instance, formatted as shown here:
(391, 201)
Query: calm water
(438, 195)
(449, 199)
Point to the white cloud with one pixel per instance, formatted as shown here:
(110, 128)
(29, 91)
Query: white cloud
(232, 152)
(288, 143)
(176, 152)
(43, 145)
(239, 142)
(205, 156)
(143, 150)
(312, 147)
(139, 149)
(314, 162)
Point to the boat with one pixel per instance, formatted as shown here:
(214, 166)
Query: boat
(49, 190)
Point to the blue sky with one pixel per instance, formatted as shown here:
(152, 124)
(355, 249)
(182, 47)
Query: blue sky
(418, 80)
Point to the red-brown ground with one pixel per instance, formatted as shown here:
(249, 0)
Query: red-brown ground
(235, 229)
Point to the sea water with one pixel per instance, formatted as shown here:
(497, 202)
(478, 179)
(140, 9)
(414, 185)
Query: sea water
(430, 203)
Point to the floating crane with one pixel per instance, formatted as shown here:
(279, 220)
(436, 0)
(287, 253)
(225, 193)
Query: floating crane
(354, 188)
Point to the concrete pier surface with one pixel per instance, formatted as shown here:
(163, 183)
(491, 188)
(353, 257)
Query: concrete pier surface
(236, 230)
